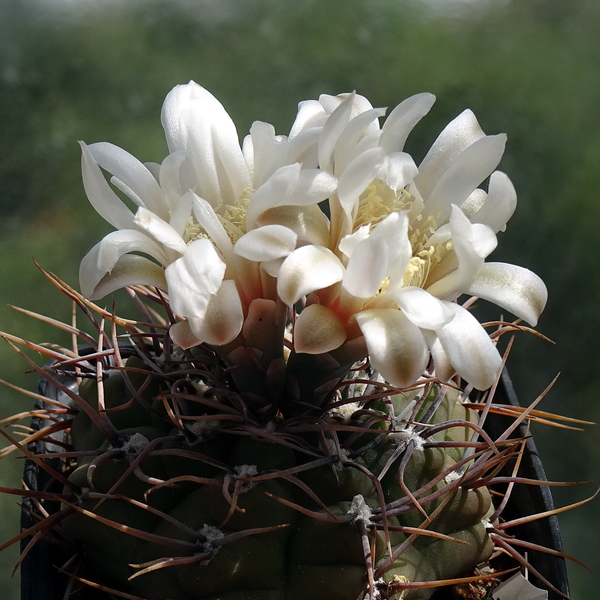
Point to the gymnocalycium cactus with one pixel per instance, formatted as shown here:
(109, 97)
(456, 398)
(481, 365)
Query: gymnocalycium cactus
(291, 418)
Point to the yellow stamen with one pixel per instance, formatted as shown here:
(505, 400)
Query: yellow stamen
(378, 201)
(233, 220)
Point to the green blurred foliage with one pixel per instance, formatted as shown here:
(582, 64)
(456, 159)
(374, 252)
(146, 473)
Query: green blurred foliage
(99, 71)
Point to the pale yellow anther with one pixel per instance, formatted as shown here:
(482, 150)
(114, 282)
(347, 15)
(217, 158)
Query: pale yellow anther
(193, 231)
(233, 220)
(377, 202)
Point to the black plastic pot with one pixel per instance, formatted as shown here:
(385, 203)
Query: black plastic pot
(41, 580)
(531, 499)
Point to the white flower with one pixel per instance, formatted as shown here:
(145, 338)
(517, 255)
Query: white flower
(405, 243)
(237, 238)
(195, 206)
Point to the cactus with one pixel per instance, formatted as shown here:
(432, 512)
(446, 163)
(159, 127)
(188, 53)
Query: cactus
(174, 485)
(295, 420)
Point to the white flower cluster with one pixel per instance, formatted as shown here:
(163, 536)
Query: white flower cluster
(334, 222)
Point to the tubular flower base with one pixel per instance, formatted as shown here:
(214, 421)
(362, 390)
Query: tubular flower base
(293, 418)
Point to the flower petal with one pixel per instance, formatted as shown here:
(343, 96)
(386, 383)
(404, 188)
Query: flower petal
(402, 119)
(359, 174)
(464, 175)
(456, 137)
(210, 222)
(469, 348)
(223, 319)
(309, 223)
(305, 270)
(443, 369)
(269, 151)
(181, 334)
(514, 288)
(130, 269)
(352, 134)
(195, 121)
(266, 243)
(117, 243)
(400, 170)
(472, 243)
(133, 174)
(349, 242)
(394, 230)
(499, 205)
(170, 179)
(194, 278)
(103, 257)
(107, 204)
(291, 185)
(421, 308)
(366, 268)
(332, 130)
(397, 348)
(310, 113)
(181, 213)
(318, 330)
(160, 230)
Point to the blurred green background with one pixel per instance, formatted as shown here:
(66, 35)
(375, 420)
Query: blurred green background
(99, 70)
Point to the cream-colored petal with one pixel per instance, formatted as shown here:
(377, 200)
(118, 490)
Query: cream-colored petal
(333, 128)
(402, 120)
(463, 176)
(309, 223)
(394, 231)
(514, 288)
(170, 177)
(181, 213)
(107, 204)
(194, 278)
(195, 121)
(443, 369)
(181, 334)
(269, 152)
(130, 269)
(305, 270)
(352, 134)
(210, 222)
(472, 242)
(367, 268)
(291, 185)
(133, 174)
(456, 137)
(421, 308)
(310, 114)
(349, 242)
(160, 230)
(124, 241)
(397, 348)
(103, 257)
(469, 348)
(400, 169)
(266, 243)
(359, 174)
(499, 205)
(223, 319)
(318, 330)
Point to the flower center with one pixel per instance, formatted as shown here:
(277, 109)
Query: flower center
(233, 220)
(378, 201)
(425, 257)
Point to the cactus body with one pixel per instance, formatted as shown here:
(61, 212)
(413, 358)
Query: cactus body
(278, 508)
